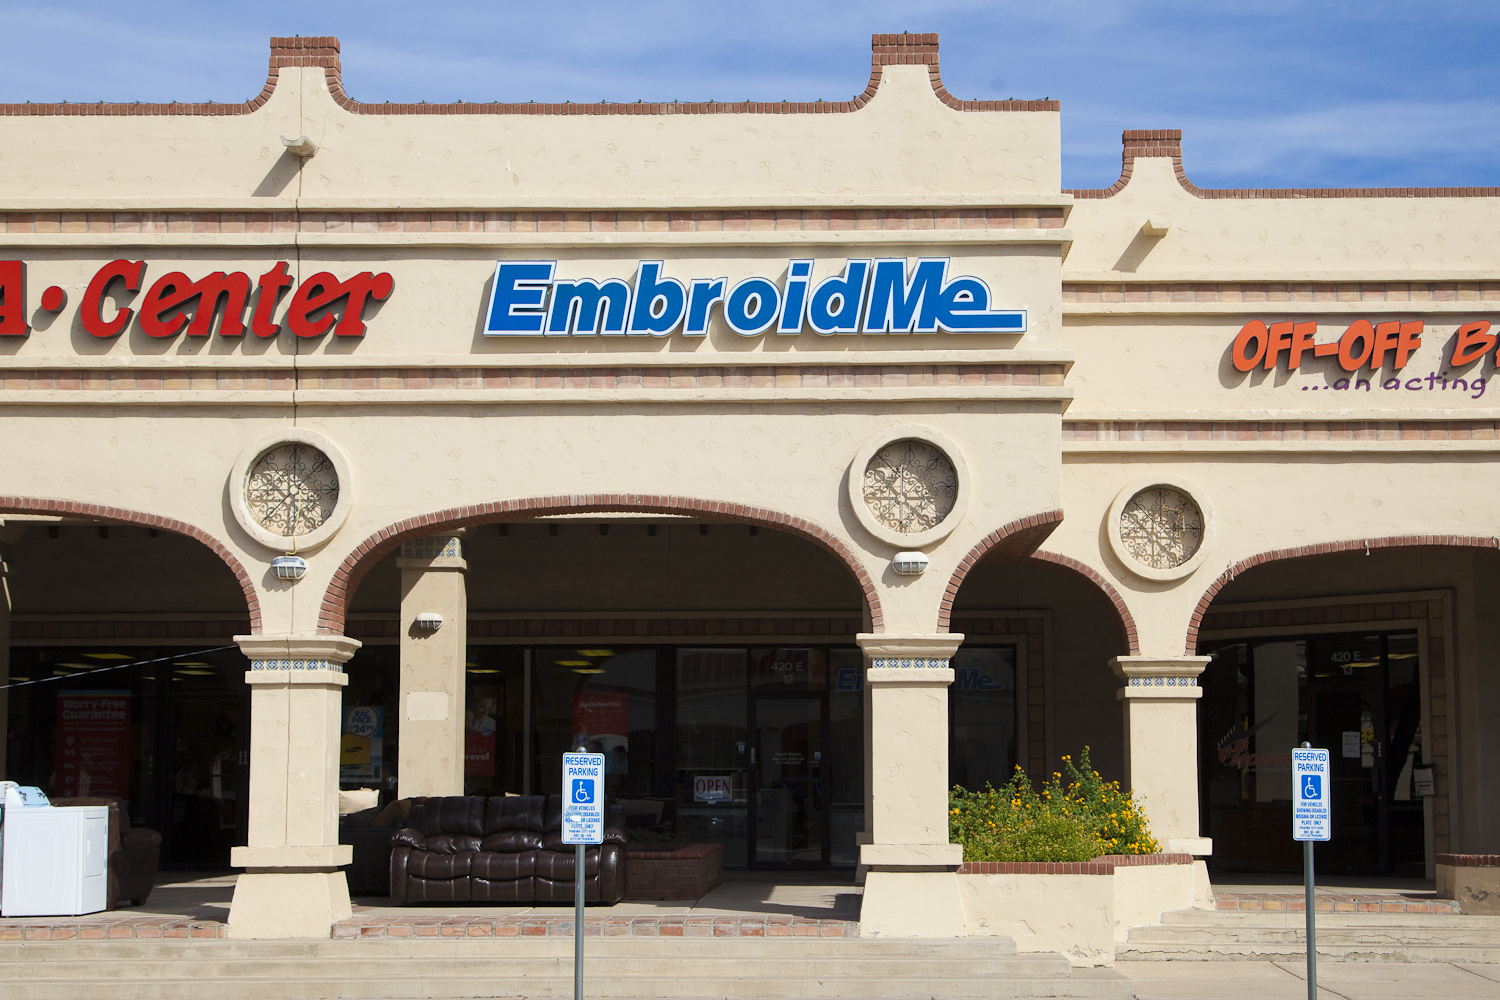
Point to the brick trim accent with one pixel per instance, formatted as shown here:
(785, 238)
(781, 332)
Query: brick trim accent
(109, 928)
(1282, 291)
(1281, 430)
(1011, 542)
(1469, 860)
(346, 579)
(650, 376)
(1325, 548)
(1127, 620)
(1168, 142)
(120, 515)
(323, 51)
(1332, 902)
(1142, 860)
(718, 220)
(1095, 867)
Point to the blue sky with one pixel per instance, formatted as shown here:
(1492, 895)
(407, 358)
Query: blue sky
(1268, 94)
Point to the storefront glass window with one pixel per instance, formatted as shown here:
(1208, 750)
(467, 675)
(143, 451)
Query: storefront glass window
(982, 717)
(166, 730)
(1356, 694)
(713, 752)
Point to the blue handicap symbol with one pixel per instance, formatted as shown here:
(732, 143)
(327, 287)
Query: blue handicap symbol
(583, 790)
(1312, 786)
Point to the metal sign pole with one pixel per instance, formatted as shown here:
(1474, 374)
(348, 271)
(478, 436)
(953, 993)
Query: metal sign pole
(582, 824)
(1312, 931)
(1311, 821)
(578, 863)
(578, 922)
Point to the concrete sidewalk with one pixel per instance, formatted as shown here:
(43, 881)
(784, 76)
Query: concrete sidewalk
(1286, 980)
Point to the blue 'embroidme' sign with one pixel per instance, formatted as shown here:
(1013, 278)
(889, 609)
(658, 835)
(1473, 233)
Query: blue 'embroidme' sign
(868, 296)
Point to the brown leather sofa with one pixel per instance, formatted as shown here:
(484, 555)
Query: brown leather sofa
(134, 853)
(501, 849)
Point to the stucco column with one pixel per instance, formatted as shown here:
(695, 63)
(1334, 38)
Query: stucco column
(292, 886)
(1161, 744)
(431, 751)
(911, 881)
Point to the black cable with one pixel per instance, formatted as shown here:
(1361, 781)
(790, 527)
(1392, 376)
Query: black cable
(116, 666)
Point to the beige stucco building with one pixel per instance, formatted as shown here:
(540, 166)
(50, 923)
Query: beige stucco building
(807, 459)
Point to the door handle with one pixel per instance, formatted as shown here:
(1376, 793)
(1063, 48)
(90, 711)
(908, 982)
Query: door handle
(752, 756)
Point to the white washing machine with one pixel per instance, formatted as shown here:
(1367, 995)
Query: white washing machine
(53, 862)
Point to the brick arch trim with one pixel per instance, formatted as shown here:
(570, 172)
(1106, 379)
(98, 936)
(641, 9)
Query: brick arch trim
(1127, 620)
(323, 52)
(1167, 142)
(335, 606)
(1012, 542)
(120, 515)
(1327, 548)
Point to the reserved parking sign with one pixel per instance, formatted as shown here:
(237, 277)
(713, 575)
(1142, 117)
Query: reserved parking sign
(583, 798)
(1311, 806)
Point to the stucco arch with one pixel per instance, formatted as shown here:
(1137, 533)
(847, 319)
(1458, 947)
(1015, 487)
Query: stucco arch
(121, 515)
(335, 605)
(1326, 548)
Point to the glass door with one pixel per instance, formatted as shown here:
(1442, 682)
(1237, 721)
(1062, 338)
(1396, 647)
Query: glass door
(789, 794)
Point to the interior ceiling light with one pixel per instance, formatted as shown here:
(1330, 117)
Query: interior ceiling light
(193, 663)
(78, 666)
(588, 670)
(1402, 656)
(196, 673)
(596, 652)
(108, 656)
(482, 670)
(574, 663)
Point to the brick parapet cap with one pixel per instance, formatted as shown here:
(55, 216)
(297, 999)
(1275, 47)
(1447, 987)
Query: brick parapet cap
(1469, 860)
(1152, 142)
(322, 51)
(1167, 143)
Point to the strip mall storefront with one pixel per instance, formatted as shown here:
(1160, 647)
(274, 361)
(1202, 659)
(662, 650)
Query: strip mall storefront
(804, 459)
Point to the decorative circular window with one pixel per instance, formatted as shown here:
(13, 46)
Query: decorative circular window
(908, 486)
(1159, 529)
(291, 489)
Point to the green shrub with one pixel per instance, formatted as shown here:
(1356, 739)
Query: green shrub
(1074, 816)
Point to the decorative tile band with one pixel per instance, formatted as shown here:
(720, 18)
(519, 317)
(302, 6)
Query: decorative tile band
(728, 220)
(432, 548)
(1284, 291)
(927, 663)
(1286, 430)
(1173, 681)
(295, 665)
(643, 377)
